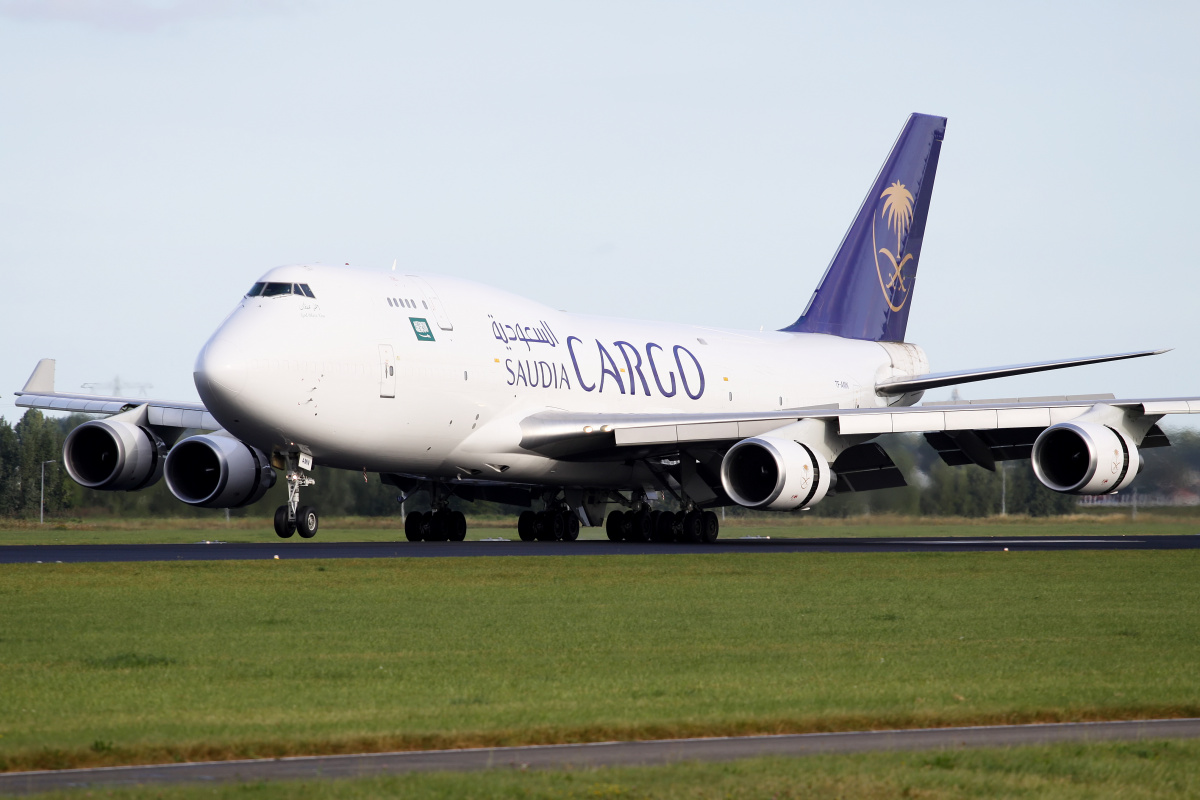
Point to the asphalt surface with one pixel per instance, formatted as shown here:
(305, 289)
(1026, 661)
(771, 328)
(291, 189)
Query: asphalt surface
(216, 551)
(603, 754)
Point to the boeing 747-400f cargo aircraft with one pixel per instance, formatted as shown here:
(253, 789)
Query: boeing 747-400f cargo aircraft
(462, 390)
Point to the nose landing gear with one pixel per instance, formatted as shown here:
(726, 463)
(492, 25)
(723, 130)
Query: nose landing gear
(295, 518)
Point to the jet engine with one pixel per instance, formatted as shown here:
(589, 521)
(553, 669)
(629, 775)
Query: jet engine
(1085, 458)
(774, 473)
(217, 471)
(114, 455)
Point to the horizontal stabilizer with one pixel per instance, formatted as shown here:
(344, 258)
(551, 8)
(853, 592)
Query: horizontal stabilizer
(935, 380)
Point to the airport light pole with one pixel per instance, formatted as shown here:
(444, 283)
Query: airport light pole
(42, 503)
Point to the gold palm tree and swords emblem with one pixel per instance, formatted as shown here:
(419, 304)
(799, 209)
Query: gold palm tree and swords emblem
(898, 211)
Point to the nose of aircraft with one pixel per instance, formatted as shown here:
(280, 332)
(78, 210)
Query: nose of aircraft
(221, 368)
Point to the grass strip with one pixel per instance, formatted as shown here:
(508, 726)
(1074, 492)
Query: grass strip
(141, 663)
(390, 529)
(1103, 770)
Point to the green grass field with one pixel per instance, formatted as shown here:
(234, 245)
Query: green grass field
(360, 529)
(119, 663)
(1097, 771)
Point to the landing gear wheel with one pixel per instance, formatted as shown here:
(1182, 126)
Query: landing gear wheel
(527, 526)
(639, 526)
(543, 527)
(570, 527)
(614, 526)
(430, 527)
(556, 525)
(413, 529)
(677, 520)
(712, 527)
(306, 522)
(458, 525)
(284, 528)
(664, 530)
(693, 526)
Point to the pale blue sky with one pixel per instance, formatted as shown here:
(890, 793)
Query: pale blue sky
(687, 161)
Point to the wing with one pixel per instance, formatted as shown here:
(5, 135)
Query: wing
(39, 393)
(935, 380)
(618, 436)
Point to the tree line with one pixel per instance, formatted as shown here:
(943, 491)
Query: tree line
(934, 489)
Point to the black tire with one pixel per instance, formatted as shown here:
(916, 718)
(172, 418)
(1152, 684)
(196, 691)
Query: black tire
(283, 528)
(431, 527)
(543, 527)
(639, 527)
(413, 528)
(614, 526)
(458, 525)
(527, 526)
(712, 527)
(570, 527)
(442, 525)
(693, 526)
(307, 522)
(556, 525)
(665, 529)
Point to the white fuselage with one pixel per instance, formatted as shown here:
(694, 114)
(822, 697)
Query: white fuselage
(353, 376)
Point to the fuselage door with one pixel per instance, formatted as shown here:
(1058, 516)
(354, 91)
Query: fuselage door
(435, 304)
(387, 371)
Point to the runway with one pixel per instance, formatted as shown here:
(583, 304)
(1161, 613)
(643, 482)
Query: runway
(292, 549)
(601, 754)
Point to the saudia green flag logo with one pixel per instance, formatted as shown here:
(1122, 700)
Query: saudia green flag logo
(422, 329)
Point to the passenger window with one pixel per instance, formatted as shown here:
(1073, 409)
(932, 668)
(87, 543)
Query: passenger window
(256, 290)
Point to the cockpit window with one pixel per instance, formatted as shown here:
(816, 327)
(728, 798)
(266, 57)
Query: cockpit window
(278, 289)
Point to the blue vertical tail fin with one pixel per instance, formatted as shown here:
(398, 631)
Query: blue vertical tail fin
(867, 289)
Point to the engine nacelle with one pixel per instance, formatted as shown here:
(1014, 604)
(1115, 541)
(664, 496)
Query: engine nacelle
(114, 455)
(775, 473)
(215, 471)
(1085, 458)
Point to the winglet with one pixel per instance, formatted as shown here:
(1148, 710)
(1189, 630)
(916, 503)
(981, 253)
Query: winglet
(42, 379)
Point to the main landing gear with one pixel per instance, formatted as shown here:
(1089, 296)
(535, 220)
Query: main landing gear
(439, 525)
(295, 518)
(645, 525)
(555, 524)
